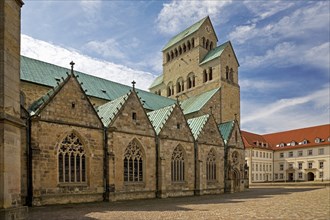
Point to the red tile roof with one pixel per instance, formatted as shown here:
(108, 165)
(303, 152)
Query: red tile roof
(298, 136)
(253, 140)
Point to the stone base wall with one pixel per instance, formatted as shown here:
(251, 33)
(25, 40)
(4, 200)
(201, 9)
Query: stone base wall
(117, 196)
(67, 198)
(17, 213)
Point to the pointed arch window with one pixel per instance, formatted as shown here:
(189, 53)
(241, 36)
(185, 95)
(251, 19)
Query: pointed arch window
(210, 73)
(71, 160)
(177, 165)
(188, 45)
(207, 44)
(184, 48)
(227, 72)
(211, 166)
(204, 76)
(133, 163)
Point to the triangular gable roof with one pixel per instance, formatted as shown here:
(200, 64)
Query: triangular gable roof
(39, 104)
(109, 110)
(226, 129)
(195, 103)
(159, 117)
(185, 33)
(249, 139)
(216, 52)
(197, 124)
(157, 81)
(38, 72)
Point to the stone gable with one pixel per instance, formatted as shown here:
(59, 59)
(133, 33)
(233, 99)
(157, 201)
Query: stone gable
(210, 134)
(176, 127)
(70, 105)
(132, 118)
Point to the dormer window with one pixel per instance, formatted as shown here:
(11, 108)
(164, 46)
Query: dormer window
(293, 143)
(317, 140)
(282, 144)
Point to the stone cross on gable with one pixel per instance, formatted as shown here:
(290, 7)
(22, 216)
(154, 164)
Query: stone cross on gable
(72, 64)
(133, 83)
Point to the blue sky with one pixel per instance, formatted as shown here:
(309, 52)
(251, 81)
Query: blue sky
(282, 47)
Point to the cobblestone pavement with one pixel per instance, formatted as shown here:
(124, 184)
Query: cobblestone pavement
(256, 203)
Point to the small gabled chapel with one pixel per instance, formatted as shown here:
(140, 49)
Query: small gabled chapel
(70, 137)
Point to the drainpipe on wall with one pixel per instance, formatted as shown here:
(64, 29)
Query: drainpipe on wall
(105, 165)
(29, 162)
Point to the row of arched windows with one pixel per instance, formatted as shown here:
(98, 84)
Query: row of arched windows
(72, 162)
(186, 46)
(180, 85)
(207, 44)
(207, 75)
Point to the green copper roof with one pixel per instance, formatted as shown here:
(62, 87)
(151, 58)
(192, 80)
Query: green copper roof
(159, 117)
(225, 130)
(214, 53)
(47, 74)
(195, 103)
(157, 81)
(196, 124)
(108, 111)
(193, 28)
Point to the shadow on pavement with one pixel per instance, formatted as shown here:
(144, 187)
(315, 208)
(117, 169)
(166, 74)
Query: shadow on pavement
(80, 211)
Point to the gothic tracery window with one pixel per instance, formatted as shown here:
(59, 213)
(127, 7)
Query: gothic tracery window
(177, 165)
(133, 163)
(211, 166)
(71, 160)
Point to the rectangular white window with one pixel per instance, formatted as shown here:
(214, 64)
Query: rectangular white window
(321, 164)
(300, 175)
(281, 155)
(321, 151)
(300, 166)
(253, 153)
(291, 154)
(276, 176)
(281, 166)
(291, 165)
(300, 153)
(310, 165)
(321, 174)
(281, 175)
(256, 167)
(310, 152)
(256, 153)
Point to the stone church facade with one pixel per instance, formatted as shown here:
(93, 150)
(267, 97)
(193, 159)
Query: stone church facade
(69, 137)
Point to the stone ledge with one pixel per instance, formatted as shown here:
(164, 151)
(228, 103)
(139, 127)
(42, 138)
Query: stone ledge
(16, 213)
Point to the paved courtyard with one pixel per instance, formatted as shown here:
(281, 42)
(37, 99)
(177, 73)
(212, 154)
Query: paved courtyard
(256, 203)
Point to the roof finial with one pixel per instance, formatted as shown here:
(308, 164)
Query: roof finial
(72, 64)
(133, 84)
(235, 117)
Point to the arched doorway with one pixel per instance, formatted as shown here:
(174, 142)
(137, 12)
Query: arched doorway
(310, 176)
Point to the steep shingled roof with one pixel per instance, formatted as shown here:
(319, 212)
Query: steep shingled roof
(187, 32)
(109, 110)
(225, 130)
(38, 72)
(159, 117)
(197, 124)
(195, 103)
(253, 140)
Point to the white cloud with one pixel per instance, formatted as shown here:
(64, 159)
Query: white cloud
(58, 55)
(265, 9)
(177, 15)
(260, 85)
(109, 48)
(287, 54)
(301, 23)
(285, 114)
